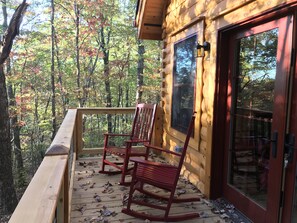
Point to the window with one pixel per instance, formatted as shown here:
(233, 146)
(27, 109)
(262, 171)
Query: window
(184, 73)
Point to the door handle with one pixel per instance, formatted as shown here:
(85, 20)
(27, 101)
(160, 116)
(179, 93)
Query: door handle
(274, 144)
(289, 147)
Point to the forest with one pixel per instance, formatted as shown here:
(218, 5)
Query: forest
(66, 54)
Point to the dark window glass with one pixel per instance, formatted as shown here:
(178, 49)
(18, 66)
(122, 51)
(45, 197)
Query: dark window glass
(184, 73)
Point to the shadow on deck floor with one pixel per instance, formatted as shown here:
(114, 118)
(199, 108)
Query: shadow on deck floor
(99, 198)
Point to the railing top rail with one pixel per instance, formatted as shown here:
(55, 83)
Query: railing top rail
(104, 110)
(62, 140)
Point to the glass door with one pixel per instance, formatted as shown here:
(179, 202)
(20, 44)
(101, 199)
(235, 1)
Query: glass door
(256, 118)
(252, 115)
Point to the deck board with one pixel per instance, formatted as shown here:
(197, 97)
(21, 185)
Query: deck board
(89, 185)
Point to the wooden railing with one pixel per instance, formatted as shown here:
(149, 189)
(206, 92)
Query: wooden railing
(84, 115)
(48, 196)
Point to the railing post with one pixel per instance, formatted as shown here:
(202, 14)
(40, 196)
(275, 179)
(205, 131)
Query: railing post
(75, 137)
(62, 214)
(79, 132)
(157, 138)
(66, 194)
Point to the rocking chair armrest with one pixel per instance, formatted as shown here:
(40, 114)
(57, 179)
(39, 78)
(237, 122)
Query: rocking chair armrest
(116, 134)
(162, 150)
(150, 163)
(136, 141)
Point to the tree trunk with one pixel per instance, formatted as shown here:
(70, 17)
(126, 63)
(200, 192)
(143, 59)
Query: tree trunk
(8, 199)
(140, 69)
(120, 94)
(54, 118)
(89, 79)
(127, 96)
(77, 19)
(60, 79)
(104, 47)
(127, 102)
(15, 128)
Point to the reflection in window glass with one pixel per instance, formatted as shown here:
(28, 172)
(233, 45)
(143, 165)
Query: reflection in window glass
(184, 73)
(253, 103)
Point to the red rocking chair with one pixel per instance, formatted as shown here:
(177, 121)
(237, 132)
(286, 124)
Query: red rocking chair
(142, 129)
(162, 176)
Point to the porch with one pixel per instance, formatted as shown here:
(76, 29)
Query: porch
(99, 198)
(68, 188)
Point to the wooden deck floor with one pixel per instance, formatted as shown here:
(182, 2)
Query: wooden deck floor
(95, 196)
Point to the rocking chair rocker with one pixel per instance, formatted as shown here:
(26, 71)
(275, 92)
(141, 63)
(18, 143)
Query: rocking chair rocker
(162, 176)
(142, 129)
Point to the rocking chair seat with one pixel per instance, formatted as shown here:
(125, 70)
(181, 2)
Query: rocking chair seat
(121, 151)
(157, 174)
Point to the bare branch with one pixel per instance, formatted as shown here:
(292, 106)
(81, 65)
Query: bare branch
(12, 31)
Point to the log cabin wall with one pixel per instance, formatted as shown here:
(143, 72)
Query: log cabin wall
(182, 18)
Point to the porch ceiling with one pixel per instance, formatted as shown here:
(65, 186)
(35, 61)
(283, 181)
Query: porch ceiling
(149, 18)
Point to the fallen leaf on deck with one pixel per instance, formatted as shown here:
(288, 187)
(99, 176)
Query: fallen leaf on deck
(95, 220)
(90, 175)
(85, 184)
(224, 216)
(82, 163)
(215, 211)
(209, 204)
(123, 188)
(105, 212)
(80, 178)
(80, 209)
(108, 191)
(87, 219)
(108, 184)
(97, 198)
(90, 163)
(203, 214)
(179, 192)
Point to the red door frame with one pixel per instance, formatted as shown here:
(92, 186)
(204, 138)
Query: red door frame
(220, 105)
(291, 168)
(275, 164)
